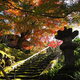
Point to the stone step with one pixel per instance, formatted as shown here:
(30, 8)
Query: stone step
(21, 78)
(31, 70)
(25, 73)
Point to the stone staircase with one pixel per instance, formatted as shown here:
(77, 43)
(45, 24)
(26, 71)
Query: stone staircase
(31, 69)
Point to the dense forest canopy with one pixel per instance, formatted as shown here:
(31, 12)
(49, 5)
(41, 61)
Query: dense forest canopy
(35, 20)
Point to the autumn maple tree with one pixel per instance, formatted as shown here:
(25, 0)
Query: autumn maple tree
(34, 20)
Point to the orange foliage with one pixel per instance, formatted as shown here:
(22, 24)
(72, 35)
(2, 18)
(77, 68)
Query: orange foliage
(17, 33)
(61, 28)
(37, 2)
(53, 31)
(27, 36)
(58, 2)
(14, 12)
(12, 27)
(1, 17)
(64, 24)
(7, 32)
(27, 47)
(1, 33)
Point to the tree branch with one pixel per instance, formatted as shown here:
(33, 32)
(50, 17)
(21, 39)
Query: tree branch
(45, 14)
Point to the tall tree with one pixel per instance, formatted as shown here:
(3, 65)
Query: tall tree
(33, 19)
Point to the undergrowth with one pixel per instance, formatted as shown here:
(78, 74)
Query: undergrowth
(71, 73)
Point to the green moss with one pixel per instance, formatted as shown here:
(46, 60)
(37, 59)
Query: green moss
(52, 72)
(9, 68)
(19, 55)
(16, 79)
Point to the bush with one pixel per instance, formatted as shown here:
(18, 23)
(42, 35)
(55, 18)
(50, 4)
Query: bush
(68, 72)
(54, 70)
(77, 75)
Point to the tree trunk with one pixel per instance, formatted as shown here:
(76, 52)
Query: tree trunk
(19, 43)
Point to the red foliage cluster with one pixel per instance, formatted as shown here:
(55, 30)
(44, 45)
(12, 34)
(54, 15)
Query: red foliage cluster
(1, 33)
(55, 44)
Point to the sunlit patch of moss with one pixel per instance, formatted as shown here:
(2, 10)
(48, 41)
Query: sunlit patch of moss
(43, 52)
(16, 79)
(7, 69)
(1, 74)
(13, 52)
(3, 53)
(53, 62)
(7, 49)
(21, 75)
(45, 72)
(25, 72)
(10, 68)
